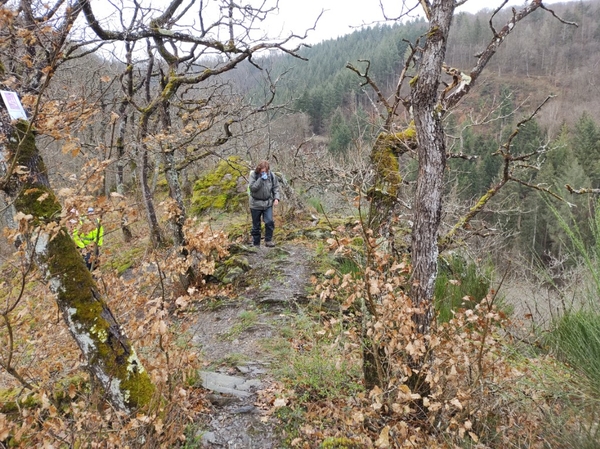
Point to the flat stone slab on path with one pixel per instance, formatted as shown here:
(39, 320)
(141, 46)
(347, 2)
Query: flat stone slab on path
(221, 383)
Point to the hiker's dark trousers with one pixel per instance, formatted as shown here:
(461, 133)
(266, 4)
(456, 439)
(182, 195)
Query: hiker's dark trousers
(267, 217)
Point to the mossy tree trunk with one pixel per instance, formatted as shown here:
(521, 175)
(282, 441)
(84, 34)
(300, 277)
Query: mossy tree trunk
(109, 355)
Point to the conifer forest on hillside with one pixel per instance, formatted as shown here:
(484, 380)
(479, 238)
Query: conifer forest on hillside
(434, 280)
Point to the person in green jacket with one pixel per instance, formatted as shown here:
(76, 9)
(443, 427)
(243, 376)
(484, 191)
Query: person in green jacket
(89, 239)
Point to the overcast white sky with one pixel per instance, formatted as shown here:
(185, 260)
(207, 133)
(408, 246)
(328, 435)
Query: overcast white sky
(341, 16)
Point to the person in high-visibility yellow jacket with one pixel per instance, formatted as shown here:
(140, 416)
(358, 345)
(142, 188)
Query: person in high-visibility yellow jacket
(89, 242)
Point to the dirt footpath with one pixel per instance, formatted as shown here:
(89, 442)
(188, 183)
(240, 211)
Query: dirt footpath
(230, 335)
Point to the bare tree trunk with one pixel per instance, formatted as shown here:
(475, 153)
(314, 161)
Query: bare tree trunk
(127, 82)
(156, 172)
(127, 234)
(175, 191)
(155, 234)
(428, 109)
(432, 163)
(109, 355)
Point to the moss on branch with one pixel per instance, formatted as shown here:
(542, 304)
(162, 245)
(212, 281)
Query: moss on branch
(384, 157)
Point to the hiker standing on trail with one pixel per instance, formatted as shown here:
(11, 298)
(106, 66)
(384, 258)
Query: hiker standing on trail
(264, 194)
(89, 236)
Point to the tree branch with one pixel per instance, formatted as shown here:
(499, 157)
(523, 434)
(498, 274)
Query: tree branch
(560, 19)
(581, 191)
(466, 157)
(509, 160)
(457, 94)
(369, 81)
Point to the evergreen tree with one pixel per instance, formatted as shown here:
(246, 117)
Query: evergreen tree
(529, 139)
(539, 230)
(488, 164)
(586, 146)
(340, 134)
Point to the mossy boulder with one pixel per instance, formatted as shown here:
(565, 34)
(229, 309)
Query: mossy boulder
(126, 258)
(312, 233)
(231, 269)
(224, 188)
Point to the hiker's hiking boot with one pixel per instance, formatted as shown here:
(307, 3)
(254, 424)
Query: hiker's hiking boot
(270, 244)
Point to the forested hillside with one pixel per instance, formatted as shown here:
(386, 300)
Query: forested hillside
(545, 58)
(426, 271)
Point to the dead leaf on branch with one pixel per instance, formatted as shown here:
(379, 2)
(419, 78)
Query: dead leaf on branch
(72, 147)
(20, 216)
(383, 441)
(21, 170)
(455, 402)
(374, 287)
(280, 402)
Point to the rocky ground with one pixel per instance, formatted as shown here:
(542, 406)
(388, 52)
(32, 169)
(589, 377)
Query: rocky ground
(231, 335)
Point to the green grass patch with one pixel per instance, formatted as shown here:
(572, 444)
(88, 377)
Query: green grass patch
(347, 265)
(576, 339)
(340, 443)
(321, 373)
(233, 359)
(460, 284)
(313, 365)
(246, 319)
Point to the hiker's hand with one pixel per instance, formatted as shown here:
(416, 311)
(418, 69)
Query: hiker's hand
(275, 203)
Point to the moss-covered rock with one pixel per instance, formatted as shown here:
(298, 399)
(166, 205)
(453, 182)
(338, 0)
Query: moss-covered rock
(126, 258)
(237, 248)
(222, 189)
(231, 269)
(232, 274)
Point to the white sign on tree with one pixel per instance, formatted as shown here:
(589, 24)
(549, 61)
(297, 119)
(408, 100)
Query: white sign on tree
(13, 104)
